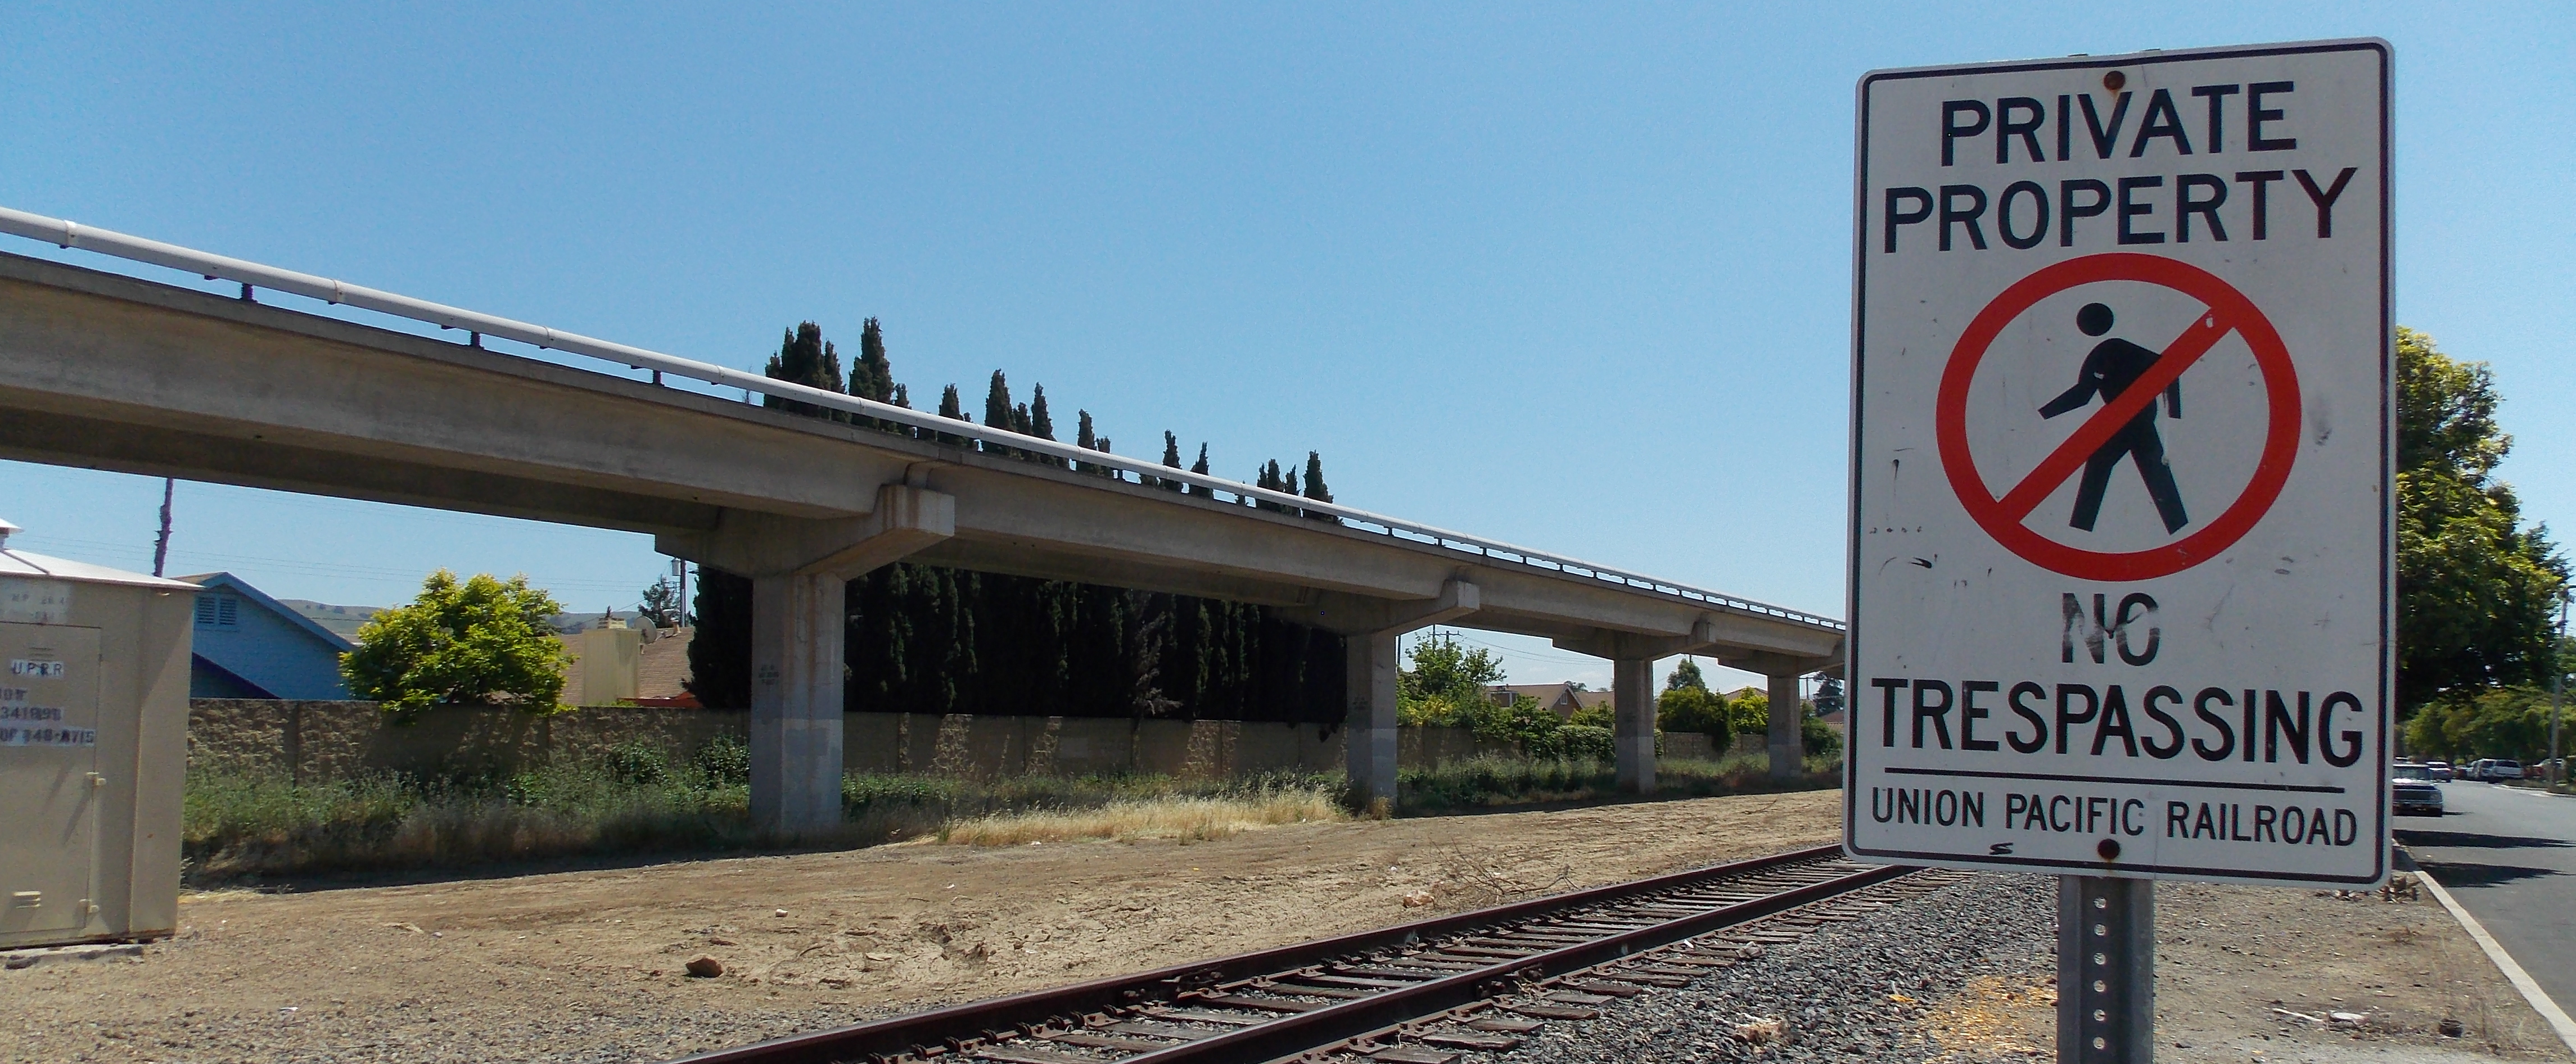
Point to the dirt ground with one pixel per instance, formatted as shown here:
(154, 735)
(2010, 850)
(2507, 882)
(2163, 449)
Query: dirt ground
(2240, 971)
(588, 965)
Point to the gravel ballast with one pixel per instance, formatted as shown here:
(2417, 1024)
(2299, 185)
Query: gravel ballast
(1849, 992)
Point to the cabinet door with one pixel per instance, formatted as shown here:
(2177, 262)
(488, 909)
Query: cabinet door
(49, 782)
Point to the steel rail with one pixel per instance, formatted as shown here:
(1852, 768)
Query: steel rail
(900, 1035)
(66, 234)
(1307, 1030)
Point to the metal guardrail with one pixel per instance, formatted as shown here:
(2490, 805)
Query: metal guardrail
(66, 234)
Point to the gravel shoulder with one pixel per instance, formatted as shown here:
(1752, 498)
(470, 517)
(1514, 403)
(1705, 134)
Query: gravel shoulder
(1968, 974)
(587, 966)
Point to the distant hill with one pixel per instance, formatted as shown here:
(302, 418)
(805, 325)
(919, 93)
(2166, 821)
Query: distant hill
(343, 621)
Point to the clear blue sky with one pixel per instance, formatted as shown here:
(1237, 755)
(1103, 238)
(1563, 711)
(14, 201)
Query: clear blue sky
(1570, 276)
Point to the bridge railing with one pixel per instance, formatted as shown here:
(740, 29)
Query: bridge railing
(66, 234)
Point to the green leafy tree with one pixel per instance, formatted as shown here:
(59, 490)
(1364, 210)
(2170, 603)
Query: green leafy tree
(1446, 685)
(2476, 586)
(1686, 674)
(1695, 708)
(2507, 721)
(480, 641)
(661, 605)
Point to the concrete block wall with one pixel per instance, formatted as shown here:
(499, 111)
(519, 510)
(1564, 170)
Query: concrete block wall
(312, 741)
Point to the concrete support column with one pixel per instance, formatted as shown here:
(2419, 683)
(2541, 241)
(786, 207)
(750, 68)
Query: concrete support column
(1632, 697)
(796, 650)
(1368, 734)
(1788, 745)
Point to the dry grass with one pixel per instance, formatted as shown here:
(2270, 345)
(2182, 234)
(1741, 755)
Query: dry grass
(1191, 819)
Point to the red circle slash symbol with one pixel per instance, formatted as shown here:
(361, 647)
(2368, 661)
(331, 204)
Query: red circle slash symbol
(2228, 311)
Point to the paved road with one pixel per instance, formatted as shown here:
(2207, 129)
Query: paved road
(2509, 856)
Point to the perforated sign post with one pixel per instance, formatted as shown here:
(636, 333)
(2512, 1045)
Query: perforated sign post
(2121, 538)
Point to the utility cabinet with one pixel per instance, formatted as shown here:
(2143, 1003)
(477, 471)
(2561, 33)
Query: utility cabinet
(93, 750)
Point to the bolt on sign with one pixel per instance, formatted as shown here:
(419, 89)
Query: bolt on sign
(2121, 538)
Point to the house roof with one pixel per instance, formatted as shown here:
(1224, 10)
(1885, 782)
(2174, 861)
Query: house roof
(24, 563)
(293, 616)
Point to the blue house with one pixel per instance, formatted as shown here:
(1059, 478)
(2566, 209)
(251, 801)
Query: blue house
(248, 645)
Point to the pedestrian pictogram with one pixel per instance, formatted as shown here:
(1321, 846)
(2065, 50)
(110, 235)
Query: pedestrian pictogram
(2129, 381)
(2111, 367)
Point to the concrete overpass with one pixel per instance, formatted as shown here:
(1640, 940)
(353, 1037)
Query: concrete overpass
(106, 371)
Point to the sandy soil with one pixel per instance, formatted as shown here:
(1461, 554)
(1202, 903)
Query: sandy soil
(588, 965)
(2231, 962)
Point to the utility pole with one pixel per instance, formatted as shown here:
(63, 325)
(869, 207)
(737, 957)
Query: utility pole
(161, 546)
(2557, 685)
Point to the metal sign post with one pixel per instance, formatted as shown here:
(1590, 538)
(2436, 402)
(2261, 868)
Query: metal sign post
(2122, 543)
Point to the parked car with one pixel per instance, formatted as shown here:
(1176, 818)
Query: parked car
(2441, 770)
(2412, 792)
(2493, 769)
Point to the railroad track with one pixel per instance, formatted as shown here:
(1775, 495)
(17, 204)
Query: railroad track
(1418, 993)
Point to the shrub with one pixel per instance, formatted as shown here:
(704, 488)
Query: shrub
(639, 762)
(725, 759)
(477, 641)
(1696, 709)
(1583, 741)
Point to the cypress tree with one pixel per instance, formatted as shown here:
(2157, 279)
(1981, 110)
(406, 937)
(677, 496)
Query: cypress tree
(1172, 458)
(1270, 480)
(953, 408)
(1201, 467)
(720, 651)
(1020, 420)
(1085, 439)
(804, 357)
(902, 397)
(1040, 425)
(873, 376)
(1288, 484)
(997, 410)
(1315, 488)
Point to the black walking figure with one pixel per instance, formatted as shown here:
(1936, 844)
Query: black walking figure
(2110, 369)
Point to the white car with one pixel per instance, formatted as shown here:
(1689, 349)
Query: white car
(2492, 769)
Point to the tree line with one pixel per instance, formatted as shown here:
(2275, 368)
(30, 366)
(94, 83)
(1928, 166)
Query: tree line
(2478, 586)
(931, 639)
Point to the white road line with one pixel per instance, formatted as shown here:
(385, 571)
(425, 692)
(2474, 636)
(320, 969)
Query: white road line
(2504, 962)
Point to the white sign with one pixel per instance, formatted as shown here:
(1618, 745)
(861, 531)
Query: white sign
(30, 601)
(2121, 530)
